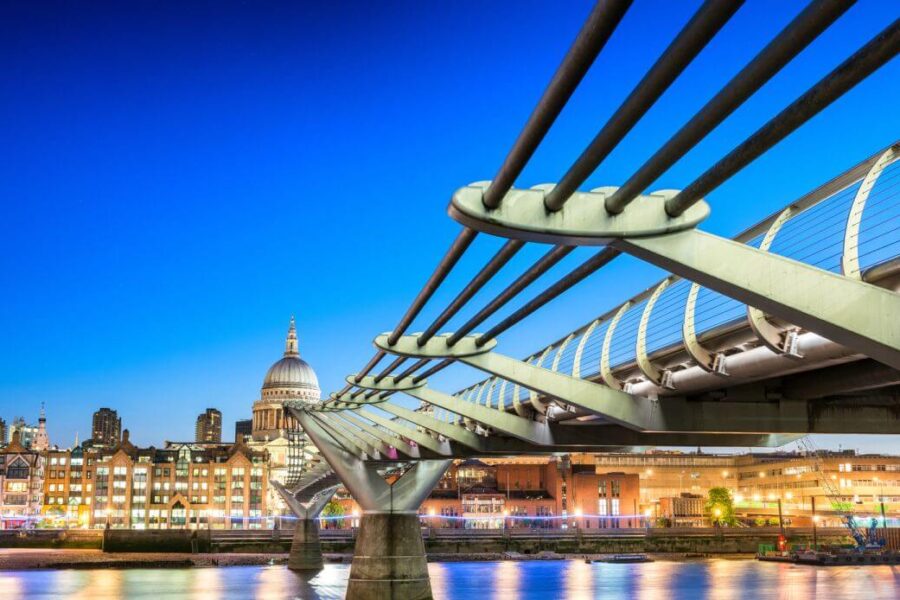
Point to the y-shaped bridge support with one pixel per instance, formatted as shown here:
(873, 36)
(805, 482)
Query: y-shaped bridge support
(389, 557)
(306, 551)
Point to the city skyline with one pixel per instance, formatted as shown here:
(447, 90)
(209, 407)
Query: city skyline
(159, 258)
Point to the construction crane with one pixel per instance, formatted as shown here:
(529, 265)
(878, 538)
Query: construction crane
(865, 538)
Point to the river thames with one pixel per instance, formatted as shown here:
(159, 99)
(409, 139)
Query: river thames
(663, 580)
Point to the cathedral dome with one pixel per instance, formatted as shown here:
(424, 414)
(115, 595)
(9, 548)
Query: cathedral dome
(292, 372)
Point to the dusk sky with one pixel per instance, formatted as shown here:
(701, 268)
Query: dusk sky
(179, 178)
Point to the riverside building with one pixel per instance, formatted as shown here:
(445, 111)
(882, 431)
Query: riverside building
(670, 482)
(21, 483)
(183, 485)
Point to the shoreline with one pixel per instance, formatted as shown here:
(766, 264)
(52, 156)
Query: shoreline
(45, 559)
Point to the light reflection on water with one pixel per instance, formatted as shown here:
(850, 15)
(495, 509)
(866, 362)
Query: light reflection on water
(536, 580)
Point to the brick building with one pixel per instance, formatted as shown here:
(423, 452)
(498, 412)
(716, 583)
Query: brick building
(529, 492)
(183, 485)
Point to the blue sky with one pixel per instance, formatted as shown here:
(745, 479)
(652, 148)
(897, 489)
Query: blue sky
(177, 179)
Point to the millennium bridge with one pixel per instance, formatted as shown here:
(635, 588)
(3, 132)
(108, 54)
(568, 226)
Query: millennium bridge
(790, 328)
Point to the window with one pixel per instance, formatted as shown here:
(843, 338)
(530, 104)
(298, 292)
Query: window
(616, 488)
(615, 507)
(602, 509)
(17, 470)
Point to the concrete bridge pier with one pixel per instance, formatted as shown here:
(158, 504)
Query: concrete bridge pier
(306, 551)
(389, 558)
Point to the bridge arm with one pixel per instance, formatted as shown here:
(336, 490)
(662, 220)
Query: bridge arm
(422, 439)
(350, 444)
(374, 442)
(362, 481)
(393, 441)
(450, 431)
(856, 314)
(533, 432)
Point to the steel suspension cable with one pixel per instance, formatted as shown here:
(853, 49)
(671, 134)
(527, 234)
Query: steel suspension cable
(594, 34)
(594, 263)
(799, 33)
(503, 256)
(860, 65)
(705, 23)
(544, 264)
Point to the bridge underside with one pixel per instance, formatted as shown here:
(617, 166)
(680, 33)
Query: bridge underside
(815, 349)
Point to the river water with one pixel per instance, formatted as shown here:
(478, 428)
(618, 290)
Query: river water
(537, 580)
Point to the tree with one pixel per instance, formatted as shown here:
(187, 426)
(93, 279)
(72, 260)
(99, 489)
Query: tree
(719, 507)
(333, 509)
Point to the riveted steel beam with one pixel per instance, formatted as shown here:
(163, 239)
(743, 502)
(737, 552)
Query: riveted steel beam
(853, 313)
(583, 221)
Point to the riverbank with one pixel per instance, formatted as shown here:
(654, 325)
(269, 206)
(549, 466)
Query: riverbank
(25, 559)
(22, 559)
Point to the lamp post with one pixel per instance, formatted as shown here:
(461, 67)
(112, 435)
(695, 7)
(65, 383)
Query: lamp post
(815, 521)
(881, 500)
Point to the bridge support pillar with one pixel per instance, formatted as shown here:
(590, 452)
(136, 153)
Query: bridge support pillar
(306, 551)
(389, 558)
